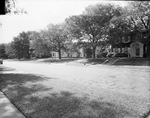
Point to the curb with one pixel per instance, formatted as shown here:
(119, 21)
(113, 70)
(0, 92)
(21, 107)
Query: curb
(8, 109)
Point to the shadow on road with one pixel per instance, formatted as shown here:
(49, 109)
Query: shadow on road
(5, 69)
(38, 101)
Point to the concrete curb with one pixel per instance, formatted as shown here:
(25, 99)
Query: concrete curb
(7, 109)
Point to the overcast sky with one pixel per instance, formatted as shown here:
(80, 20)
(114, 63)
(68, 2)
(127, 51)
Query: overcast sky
(40, 14)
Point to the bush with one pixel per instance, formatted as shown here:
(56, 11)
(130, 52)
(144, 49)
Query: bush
(110, 55)
(121, 55)
(104, 54)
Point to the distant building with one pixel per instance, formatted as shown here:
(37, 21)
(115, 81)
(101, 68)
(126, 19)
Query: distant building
(56, 54)
(134, 44)
(74, 54)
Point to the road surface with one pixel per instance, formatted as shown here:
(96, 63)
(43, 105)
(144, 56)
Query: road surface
(127, 85)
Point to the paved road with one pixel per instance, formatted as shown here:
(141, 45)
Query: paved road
(130, 81)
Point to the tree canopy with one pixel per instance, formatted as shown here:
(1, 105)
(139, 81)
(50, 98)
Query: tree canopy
(98, 25)
(92, 24)
(11, 8)
(21, 45)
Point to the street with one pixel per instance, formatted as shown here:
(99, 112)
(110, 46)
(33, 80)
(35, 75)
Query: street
(125, 85)
(130, 80)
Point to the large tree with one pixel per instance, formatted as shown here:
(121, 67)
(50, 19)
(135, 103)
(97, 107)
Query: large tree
(21, 44)
(134, 17)
(11, 7)
(2, 51)
(92, 24)
(139, 15)
(118, 29)
(40, 44)
(10, 52)
(57, 35)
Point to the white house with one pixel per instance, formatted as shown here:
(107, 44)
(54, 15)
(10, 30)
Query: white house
(136, 49)
(56, 54)
(68, 54)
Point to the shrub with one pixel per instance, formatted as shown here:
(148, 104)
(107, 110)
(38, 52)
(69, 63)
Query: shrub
(121, 55)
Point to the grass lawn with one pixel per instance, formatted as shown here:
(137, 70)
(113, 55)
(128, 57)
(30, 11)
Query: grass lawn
(35, 100)
(48, 60)
(134, 61)
(122, 61)
(56, 60)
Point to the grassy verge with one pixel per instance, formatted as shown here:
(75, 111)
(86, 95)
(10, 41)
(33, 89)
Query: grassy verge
(63, 60)
(121, 61)
(134, 61)
(36, 100)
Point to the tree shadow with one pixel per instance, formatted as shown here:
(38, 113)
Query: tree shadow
(34, 104)
(16, 79)
(5, 69)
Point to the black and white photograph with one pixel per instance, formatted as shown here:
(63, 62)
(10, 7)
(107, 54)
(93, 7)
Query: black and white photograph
(75, 59)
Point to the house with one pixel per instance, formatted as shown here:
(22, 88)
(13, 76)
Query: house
(79, 53)
(56, 54)
(134, 44)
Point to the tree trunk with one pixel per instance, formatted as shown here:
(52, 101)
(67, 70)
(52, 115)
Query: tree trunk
(59, 50)
(93, 52)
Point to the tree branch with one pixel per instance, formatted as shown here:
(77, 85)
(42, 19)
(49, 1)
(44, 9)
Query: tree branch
(133, 22)
(143, 22)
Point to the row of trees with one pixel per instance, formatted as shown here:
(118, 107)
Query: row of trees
(98, 25)
(105, 24)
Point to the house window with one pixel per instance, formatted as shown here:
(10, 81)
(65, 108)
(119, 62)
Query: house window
(125, 50)
(53, 54)
(137, 51)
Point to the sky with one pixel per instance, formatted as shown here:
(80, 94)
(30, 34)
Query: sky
(40, 14)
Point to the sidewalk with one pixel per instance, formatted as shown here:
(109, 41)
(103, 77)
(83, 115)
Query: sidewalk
(7, 109)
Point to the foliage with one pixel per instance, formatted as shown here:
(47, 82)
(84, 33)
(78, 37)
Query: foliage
(40, 44)
(10, 52)
(2, 51)
(98, 25)
(135, 17)
(139, 14)
(21, 45)
(11, 8)
(57, 35)
(92, 24)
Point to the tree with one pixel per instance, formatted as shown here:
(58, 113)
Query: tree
(2, 51)
(140, 18)
(21, 45)
(40, 43)
(11, 7)
(118, 28)
(91, 25)
(10, 52)
(57, 34)
(134, 17)
(139, 14)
